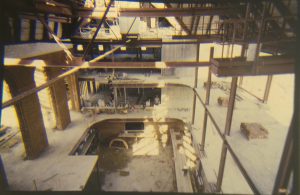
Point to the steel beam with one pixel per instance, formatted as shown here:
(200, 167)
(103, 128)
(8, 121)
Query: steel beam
(67, 11)
(177, 12)
(266, 65)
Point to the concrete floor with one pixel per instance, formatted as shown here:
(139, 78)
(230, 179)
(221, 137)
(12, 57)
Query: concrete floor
(260, 157)
(150, 173)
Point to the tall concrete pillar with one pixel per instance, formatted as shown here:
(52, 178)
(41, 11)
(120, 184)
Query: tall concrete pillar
(74, 91)
(59, 99)
(28, 109)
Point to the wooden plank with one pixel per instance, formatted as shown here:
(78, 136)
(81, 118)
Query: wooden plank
(183, 181)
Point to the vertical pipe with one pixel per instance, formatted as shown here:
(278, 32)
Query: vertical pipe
(241, 81)
(125, 96)
(259, 36)
(94, 86)
(208, 86)
(89, 87)
(32, 30)
(296, 129)
(115, 98)
(195, 84)
(267, 89)
(227, 132)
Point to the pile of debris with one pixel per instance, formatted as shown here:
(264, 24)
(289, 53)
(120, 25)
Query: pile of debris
(254, 131)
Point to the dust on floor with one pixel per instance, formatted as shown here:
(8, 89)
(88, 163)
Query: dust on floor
(120, 170)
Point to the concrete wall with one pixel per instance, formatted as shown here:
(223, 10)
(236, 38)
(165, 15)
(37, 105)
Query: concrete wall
(110, 128)
(177, 102)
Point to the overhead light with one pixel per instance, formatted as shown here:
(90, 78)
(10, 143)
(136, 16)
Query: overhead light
(143, 48)
(79, 47)
(100, 47)
(123, 48)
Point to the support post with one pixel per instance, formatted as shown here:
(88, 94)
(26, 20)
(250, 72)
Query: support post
(227, 131)
(208, 87)
(74, 92)
(267, 89)
(59, 99)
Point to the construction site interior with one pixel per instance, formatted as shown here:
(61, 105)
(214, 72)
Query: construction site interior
(193, 96)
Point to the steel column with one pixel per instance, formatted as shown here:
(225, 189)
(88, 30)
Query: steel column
(208, 87)
(227, 131)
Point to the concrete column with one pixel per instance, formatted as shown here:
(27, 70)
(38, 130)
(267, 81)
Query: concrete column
(21, 79)
(74, 92)
(59, 99)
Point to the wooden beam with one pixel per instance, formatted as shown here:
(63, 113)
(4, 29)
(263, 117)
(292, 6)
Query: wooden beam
(158, 65)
